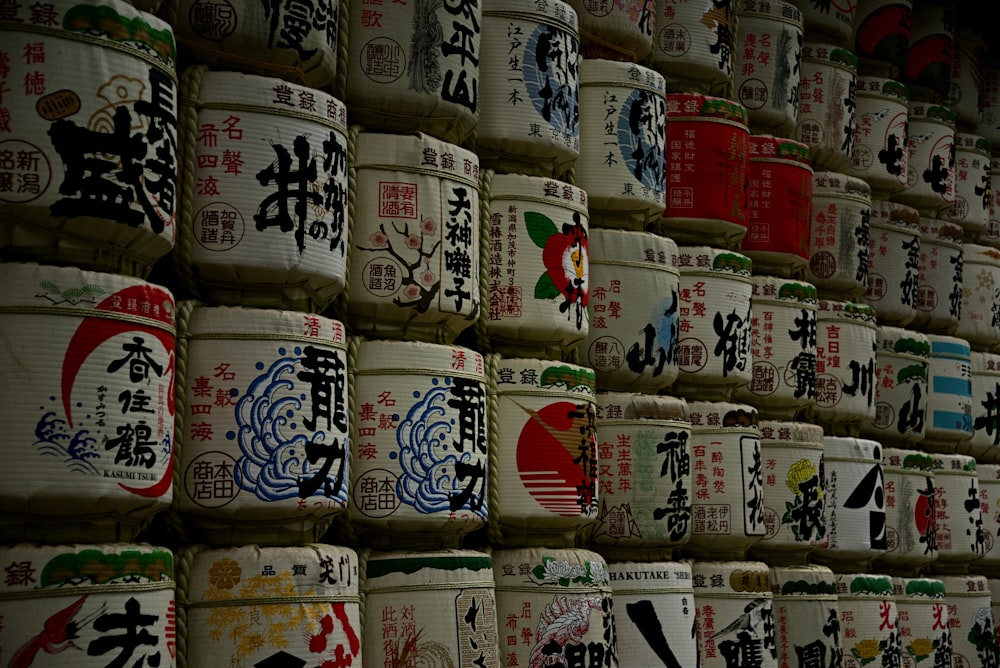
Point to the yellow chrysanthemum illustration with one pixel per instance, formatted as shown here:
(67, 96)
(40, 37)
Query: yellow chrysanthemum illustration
(224, 574)
(799, 472)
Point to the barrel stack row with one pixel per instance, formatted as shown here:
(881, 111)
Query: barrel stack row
(554, 305)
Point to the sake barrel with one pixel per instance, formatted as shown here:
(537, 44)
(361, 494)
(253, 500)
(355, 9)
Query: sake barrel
(88, 361)
(854, 485)
(644, 475)
(806, 614)
(90, 136)
(783, 348)
(932, 45)
(543, 452)
(419, 468)
(622, 142)
(296, 42)
(631, 344)
(707, 171)
(979, 315)
(728, 505)
(416, 67)
(882, 35)
(902, 359)
(693, 46)
(618, 32)
(969, 59)
(973, 185)
(303, 601)
(827, 104)
(654, 613)
(262, 447)
(989, 507)
(713, 353)
(529, 118)
(893, 263)
(735, 610)
(988, 124)
(839, 235)
(910, 511)
(985, 369)
(939, 282)
(779, 206)
(869, 619)
(880, 154)
(923, 620)
(543, 592)
(930, 181)
(264, 210)
(970, 616)
(846, 351)
(961, 541)
(767, 59)
(415, 249)
(104, 602)
(436, 607)
(949, 394)
(539, 252)
(794, 500)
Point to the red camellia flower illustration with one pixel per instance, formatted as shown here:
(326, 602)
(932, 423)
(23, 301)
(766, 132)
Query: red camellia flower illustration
(566, 256)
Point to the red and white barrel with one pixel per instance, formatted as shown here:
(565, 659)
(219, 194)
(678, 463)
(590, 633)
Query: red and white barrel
(794, 501)
(960, 537)
(654, 613)
(880, 155)
(949, 394)
(728, 505)
(779, 204)
(902, 361)
(882, 35)
(557, 603)
(644, 475)
(622, 142)
(973, 185)
(846, 351)
(939, 283)
(910, 510)
(529, 117)
(264, 207)
(988, 124)
(419, 447)
(89, 128)
(436, 607)
(854, 486)
(263, 437)
(970, 616)
(985, 442)
(989, 507)
(266, 606)
(767, 59)
(825, 119)
(783, 348)
(735, 612)
(87, 605)
(416, 67)
(543, 452)
(693, 45)
(833, 24)
(88, 414)
(539, 266)
(415, 244)
(707, 171)
(869, 618)
(839, 234)
(923, 612)
(893, 262)
(969, 61)
(805, 613)
(615, 31)
(929, 58)
(631, 344)
(295, 42)
(713, 353)
(930, 182)
(979, 313)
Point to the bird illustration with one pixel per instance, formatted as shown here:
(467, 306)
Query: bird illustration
(876, 116)
(920, 139)
(57, 635)
(748, 621)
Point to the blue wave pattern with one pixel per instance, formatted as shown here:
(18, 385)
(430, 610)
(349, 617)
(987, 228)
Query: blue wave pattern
(76, 449)
(274, 442)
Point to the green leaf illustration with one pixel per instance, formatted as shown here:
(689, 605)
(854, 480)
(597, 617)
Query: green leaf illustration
(545, 288)
(540, 227)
